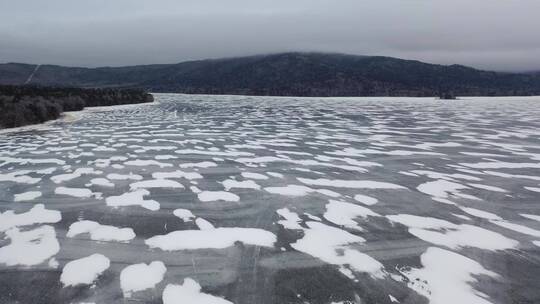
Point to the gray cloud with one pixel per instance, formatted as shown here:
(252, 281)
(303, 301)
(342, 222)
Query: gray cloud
(489, 34)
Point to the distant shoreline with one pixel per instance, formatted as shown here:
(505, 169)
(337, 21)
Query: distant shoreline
(31, 105)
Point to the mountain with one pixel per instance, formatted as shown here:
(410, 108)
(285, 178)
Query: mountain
(286, 74)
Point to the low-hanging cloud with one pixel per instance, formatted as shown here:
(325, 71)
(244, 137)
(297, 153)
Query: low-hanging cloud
(488, 34)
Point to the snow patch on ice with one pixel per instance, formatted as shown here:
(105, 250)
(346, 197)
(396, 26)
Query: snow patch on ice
(130, 176)
(156, 183)
(210, 196)
(75, 192)
(291, 219)
(189, 292)
(215, 238)
(253, 175)
(37, 215)
(100, 232)
(329, 244)
(247, 184)
(177, 174)
(355, 184)
(26, 196)
(141, 276)
(451, 235)
(185, 214)
(30, 247)
(366, 200)
(85, 270)
(447, 277)
(135, 198)
(343, 214)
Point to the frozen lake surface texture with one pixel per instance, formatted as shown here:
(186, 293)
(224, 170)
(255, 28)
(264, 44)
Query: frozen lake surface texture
(253, 200)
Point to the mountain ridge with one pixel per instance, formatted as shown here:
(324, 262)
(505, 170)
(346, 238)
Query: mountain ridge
(286, 74)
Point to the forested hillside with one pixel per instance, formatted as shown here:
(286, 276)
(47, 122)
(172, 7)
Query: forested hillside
(287, 74)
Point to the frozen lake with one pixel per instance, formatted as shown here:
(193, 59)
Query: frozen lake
(209, 199)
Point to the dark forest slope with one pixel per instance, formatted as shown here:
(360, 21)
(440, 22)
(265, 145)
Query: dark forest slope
(293, 74)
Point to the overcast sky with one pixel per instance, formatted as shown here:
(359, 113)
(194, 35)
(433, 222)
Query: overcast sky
(488, 34)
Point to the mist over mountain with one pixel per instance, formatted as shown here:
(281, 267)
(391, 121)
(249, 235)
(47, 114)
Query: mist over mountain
(285, 74)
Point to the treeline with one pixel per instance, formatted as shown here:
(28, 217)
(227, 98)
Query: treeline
(23, 105)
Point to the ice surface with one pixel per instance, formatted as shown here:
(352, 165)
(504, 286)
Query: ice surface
(310, 196)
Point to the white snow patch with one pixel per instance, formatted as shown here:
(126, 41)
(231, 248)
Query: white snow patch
(210, 196)
(75, 192)
(29, 248)
(135, 198)
(100, 181)
(291, 190)
(177, 174)
(533, 189)
(37, 215)
(77, 173)
(204, 224)
(343, 214)
(481, 213)
(145, 163)
(454, 236)
(531, 216)
(366, 200)
(189, 293)
(247, 184)
(488, 187)
(185, 214)
(501, 165)
(355, 184)
(100, 232)
(253, 175)
(329, 244)
(85, 270)
(291, 219)
(141, 276)
(26, 196)
(130, 176)
(215, 239)
(275, 174)
(447, 278)
(156, 183)
(204, 164)
(440, 188)
(518, 228)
